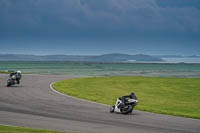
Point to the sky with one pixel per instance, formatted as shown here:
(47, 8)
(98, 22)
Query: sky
(94, 27)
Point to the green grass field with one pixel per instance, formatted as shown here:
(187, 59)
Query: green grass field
(173, 96)
(9, 129)
(4, 72)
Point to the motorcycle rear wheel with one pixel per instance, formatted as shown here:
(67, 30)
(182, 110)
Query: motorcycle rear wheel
(126, 110)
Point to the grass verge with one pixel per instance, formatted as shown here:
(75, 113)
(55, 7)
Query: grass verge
(7, 72)
(10, 129)
(4, 72)
(173, 96)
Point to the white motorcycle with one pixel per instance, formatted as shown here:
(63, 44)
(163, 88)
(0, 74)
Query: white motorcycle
(124, 108)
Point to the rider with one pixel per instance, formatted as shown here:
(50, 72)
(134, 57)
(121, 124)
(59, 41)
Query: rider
(16, 75)
(131, 96)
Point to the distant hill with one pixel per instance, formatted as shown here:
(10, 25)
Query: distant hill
(114, 57)
(176, 56)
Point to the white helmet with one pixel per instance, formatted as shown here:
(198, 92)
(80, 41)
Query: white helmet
(19, 71)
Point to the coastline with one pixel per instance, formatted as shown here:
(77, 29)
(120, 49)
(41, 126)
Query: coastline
(85, 69)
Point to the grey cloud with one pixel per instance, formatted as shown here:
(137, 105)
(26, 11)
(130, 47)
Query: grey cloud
(136, 15)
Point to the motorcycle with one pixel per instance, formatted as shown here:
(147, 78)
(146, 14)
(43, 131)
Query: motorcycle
(124, 108)
(11, 81)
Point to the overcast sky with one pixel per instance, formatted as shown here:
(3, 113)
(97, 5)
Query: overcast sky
(100, 26)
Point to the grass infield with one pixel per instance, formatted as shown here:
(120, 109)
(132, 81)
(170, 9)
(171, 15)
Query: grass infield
(10, 129)
(4, 72)
(173, 96)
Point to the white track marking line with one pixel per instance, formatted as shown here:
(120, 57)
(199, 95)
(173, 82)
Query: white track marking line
(51, 86)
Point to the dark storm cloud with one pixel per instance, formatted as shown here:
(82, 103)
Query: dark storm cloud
(100, 26)
(179, 3)
(63, 16)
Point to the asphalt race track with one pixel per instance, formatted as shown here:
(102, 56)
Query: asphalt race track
(34, 104)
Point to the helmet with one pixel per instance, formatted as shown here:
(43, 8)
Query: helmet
(132, 94)
(19, 71)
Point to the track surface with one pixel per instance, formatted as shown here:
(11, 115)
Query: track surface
(34, 104)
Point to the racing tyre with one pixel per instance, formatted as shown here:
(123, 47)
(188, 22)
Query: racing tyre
(112, 109)
(126, 110)
(8, 83)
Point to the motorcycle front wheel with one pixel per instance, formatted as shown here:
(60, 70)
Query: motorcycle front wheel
(112, 109)
(8, 83)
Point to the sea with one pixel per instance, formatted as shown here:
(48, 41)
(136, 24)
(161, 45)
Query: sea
(85, 69)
